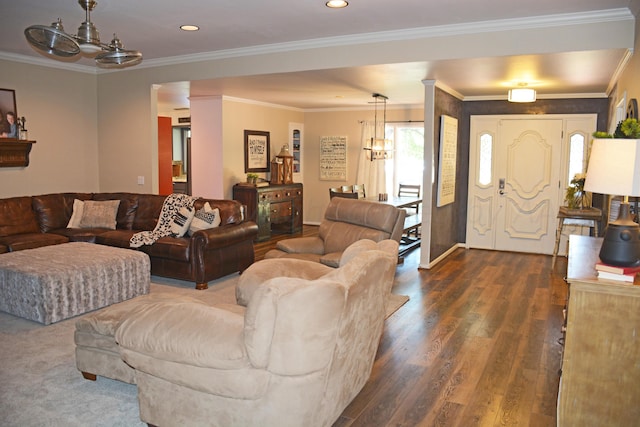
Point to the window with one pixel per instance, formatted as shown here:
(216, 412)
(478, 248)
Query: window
(577, 155)
(485, 166)
(408, 160)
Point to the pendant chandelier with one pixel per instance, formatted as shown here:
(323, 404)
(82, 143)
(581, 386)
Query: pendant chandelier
(380, 148)
(53, 40)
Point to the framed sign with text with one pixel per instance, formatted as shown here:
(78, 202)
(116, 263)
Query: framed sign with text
(256, 151)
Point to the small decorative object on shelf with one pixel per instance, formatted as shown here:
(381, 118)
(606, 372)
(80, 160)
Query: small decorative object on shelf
(24, 134)
(282, 167)
(575, 196)
(252, 178)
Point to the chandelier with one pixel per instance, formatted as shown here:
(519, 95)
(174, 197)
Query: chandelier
(380, 148)
(53, 40)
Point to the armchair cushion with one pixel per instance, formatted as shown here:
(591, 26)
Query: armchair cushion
(260, 272)
(346, 221)
(311, 245)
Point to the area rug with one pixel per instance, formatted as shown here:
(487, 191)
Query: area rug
(39, 382)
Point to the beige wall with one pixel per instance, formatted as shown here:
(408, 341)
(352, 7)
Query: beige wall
(239, 116)
(62, 117)
(336, 123)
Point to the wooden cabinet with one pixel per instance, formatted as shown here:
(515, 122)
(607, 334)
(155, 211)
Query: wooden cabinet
(275, 208)
(600, 383)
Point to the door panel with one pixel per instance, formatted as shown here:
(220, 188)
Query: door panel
(528, 156)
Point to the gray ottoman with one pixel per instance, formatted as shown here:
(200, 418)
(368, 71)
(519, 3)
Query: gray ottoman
(53, 283)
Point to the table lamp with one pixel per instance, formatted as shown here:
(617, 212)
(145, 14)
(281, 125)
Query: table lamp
(614, 169)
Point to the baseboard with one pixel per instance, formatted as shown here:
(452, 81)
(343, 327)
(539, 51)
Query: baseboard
(442, 257)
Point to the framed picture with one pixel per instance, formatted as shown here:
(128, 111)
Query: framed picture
(256, 151)
(7, 105)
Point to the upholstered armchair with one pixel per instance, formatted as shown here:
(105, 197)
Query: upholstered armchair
(297, 355)
(345, 222)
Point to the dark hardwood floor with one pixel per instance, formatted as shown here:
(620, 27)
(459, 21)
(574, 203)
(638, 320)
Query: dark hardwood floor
(476, 345)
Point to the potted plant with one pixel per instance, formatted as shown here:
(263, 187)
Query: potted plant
(252, 178)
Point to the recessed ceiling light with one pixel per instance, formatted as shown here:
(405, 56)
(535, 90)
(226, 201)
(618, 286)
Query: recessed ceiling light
(189, 27)
(337, 4)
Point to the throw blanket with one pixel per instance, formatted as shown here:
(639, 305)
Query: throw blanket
(170, 207)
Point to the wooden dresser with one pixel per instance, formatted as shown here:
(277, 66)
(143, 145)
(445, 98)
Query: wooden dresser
(275, 208)
(600, 383)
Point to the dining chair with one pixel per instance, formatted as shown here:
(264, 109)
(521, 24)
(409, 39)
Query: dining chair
(412, 190)
(333, 193)
(359, 190)
(347, 188)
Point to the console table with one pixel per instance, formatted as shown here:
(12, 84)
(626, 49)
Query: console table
(600, 384)
(275, 208)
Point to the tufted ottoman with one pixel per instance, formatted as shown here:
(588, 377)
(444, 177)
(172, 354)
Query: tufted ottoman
(53, 283)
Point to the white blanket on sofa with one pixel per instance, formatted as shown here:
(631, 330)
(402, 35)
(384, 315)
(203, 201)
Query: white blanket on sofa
(170, 207)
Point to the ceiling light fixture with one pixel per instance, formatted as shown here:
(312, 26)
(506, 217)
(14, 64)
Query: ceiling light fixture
(380, 148)
(189, 27)
(337, 4)
(522, 94)
(53, 40)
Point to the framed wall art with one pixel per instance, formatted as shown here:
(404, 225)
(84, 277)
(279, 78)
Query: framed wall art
(7, 105)
(256, 151)
(447, 160)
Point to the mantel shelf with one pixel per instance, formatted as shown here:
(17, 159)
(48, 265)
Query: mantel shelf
(14, 152)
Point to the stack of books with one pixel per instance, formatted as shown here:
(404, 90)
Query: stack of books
(620, 274)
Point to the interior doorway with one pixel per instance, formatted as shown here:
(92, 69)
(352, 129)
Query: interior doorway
(517, 176)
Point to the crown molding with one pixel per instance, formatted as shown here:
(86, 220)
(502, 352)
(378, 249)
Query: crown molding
(533, 22)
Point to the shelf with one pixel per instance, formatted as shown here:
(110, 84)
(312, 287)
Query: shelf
(14, 152)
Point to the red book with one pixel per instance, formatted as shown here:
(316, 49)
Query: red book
(600, 266)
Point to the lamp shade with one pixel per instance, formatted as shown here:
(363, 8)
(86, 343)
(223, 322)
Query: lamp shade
(614, 167)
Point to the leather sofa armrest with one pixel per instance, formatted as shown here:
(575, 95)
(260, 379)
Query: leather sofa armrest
(225, 235)
(302, 245)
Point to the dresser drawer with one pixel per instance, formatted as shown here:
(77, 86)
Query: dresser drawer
(280, 212)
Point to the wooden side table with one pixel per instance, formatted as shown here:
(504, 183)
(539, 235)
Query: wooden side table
(592, 216)
(600, 369)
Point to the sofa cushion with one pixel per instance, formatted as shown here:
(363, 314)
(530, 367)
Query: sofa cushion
(17, 216)
(205, 218)
(230, 210)
(126, 210)
(148, 212)
(99, 214)
(19, 242)
(338, 236)
(54, 210)
(116, 238)
(182, 220)
(88, 235)
(173, 248)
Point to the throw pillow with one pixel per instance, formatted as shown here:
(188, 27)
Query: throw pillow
(181, 221)
(204, 219)
(76, 216)
(100, 214)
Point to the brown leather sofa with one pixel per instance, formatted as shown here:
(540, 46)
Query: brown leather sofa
(32, 221)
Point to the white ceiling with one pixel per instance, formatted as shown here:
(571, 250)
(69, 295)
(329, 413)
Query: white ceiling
(151, 26)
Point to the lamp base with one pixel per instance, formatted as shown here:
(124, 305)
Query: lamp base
(621, 245)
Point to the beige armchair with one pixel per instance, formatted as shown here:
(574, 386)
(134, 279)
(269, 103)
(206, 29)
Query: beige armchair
(296, 356)
(345, 222)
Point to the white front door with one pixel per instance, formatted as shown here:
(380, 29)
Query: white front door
(516, 182)
(528, 172)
